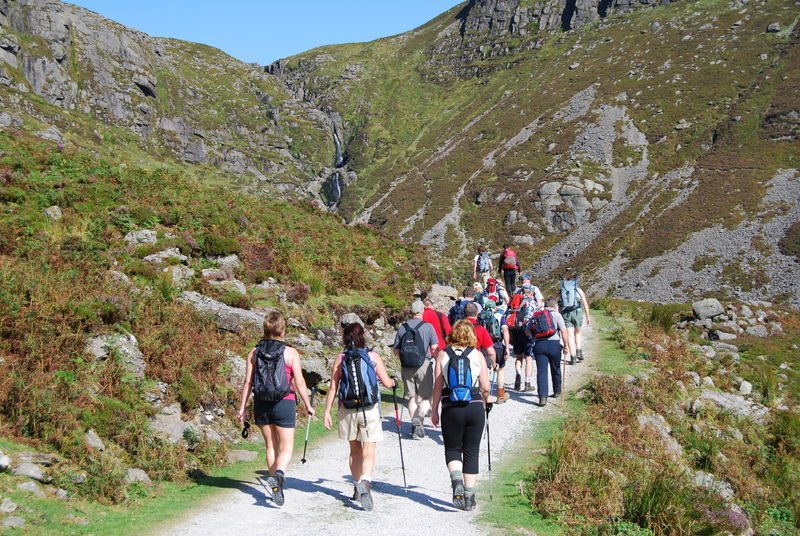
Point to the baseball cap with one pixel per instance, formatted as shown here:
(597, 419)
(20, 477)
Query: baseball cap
(527, 288)
(417, 307)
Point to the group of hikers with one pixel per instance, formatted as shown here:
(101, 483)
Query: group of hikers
(450, 364)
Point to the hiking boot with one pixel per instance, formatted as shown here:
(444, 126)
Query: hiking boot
(542, 401)
(517, 382)
(356, 494)
(458, 494)
(363, 489)
(469, 500)
(528, 388)
(502, 396)
(275, 486)
(571, 360)
(417, 430)
(579, 355)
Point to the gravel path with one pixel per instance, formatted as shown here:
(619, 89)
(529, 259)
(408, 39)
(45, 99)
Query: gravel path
(318, 493)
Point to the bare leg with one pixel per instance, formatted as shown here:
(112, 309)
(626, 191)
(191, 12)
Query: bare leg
(271, 441)
(285, 447)
(571, 341)
(423, 405)
(412, 407)
(356, 460)
(578, 343)
(529, 366)
(367, 458)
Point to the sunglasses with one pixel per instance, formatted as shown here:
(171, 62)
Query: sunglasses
(246, 430)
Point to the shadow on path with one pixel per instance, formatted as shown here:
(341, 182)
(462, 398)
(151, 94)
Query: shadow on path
(259, 494)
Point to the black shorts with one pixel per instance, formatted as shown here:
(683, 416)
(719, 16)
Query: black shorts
(281, 413)
(500, 352)
(519, 341)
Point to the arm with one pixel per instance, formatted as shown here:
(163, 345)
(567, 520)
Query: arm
(446, 325)
(506, 339)
(248, 382)
(585, 305)
(335, 372)
(438, 384)
(475, 268)
(380, 371)
(301, 388)
(492, 356)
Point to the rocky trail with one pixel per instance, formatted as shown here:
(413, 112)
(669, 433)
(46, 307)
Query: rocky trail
(318, 493)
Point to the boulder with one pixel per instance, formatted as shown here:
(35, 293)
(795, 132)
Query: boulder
(145, 236)
(13, 522)
(774, 27)
(38, 458)
(54, 213)
(93, 441)
(31, 470)
(231, 263)
(708, 481)
(181, 276)
(51, 134)
(164, 256)
(126, 346)
(315, 371)
(350, 318)
(659, 425)
(6, 119)
(745, 388)
(236, 366)
(724, 336)
(231, 285)
(369, 261)
(7, 506)
(443, 296)
(169, 424)
(31, 487)
(5, 461)
(119, 278)
(215, 274)
(707, 308)
(695, 377)
(225, 317)
(236, 456)
(757, 331)
(736, 405)
(137, 475)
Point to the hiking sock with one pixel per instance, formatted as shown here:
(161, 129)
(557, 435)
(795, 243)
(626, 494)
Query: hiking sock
(457, 482)
(517, 381)
(501, 395)
(469, 498)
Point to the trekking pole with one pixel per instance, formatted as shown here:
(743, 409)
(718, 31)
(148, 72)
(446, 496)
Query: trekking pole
(489, 449)
(308, 425)
(563, 378)
(399, 438)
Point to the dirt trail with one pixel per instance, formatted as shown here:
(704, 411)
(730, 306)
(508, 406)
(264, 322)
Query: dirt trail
(318, 493)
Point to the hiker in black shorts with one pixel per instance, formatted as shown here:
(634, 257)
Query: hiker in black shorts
(276, 419)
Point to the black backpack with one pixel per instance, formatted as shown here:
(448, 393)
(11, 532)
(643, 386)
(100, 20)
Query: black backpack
(412, 348)
(270, 381)
(457, 312)
(487, 319)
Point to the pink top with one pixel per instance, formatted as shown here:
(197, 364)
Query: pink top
(291, 395)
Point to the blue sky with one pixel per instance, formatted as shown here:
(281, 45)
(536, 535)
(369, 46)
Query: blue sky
(267, 30)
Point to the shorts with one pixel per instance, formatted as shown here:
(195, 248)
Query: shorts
(281, 413)
(418, 383)
(574, 318)
(500, 353)
(519, 341)
(352, 427)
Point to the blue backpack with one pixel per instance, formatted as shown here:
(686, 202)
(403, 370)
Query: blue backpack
(358, 384)
(569, 295)
(457, 312)
(460, 385)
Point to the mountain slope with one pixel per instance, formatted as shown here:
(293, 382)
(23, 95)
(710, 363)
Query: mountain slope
(632, 148)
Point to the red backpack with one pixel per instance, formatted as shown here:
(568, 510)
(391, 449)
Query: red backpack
(513, 312)
(542, 324)
(510, 260)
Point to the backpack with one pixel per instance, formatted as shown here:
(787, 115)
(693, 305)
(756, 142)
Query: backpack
(488, 320)
(270, 381)
(412, 348)
(513, 311)
(542, 324)
(569, 295)
(358, 384)
(510, 261)
(493, 291)
(460, 384)
(483, 263)
(457, 312)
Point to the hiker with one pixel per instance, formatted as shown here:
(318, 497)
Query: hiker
(549, 335)
(456, 312)
(485, 344)
(509, 264)
(495, 323)
(573, 308)
(439, 321)
(274, 374)
(416, 344)
(495, 292)
(463, 412)
(520, 311)
(359, 416)
(481, 266)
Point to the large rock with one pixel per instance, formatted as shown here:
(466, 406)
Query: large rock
(5, 461)
(659, 425)
(443, 296)
(236, 456)
(708, 481)
(315, 371)
(224, 316)
(165, 256)
(707, 308)
(7, 506)
(231, 263)
(180, 276)
(736, 405)
(51, 134)
(13, 522)
(54, 213)
(137, 475)
(145, 236)
(350, 318)
(230, 285)
(126, 346)
(169, 423)
(33, 471)
(757, 331)
(93, 441)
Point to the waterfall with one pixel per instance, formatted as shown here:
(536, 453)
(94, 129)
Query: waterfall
(333, 186)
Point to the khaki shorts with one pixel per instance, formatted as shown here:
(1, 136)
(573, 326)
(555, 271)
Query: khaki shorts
(574, 318)
(352, 428)
(418, 383)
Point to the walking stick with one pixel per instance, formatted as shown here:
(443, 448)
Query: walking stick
(489, 449)
(308, 424)
(399, 438)
(563, 378)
